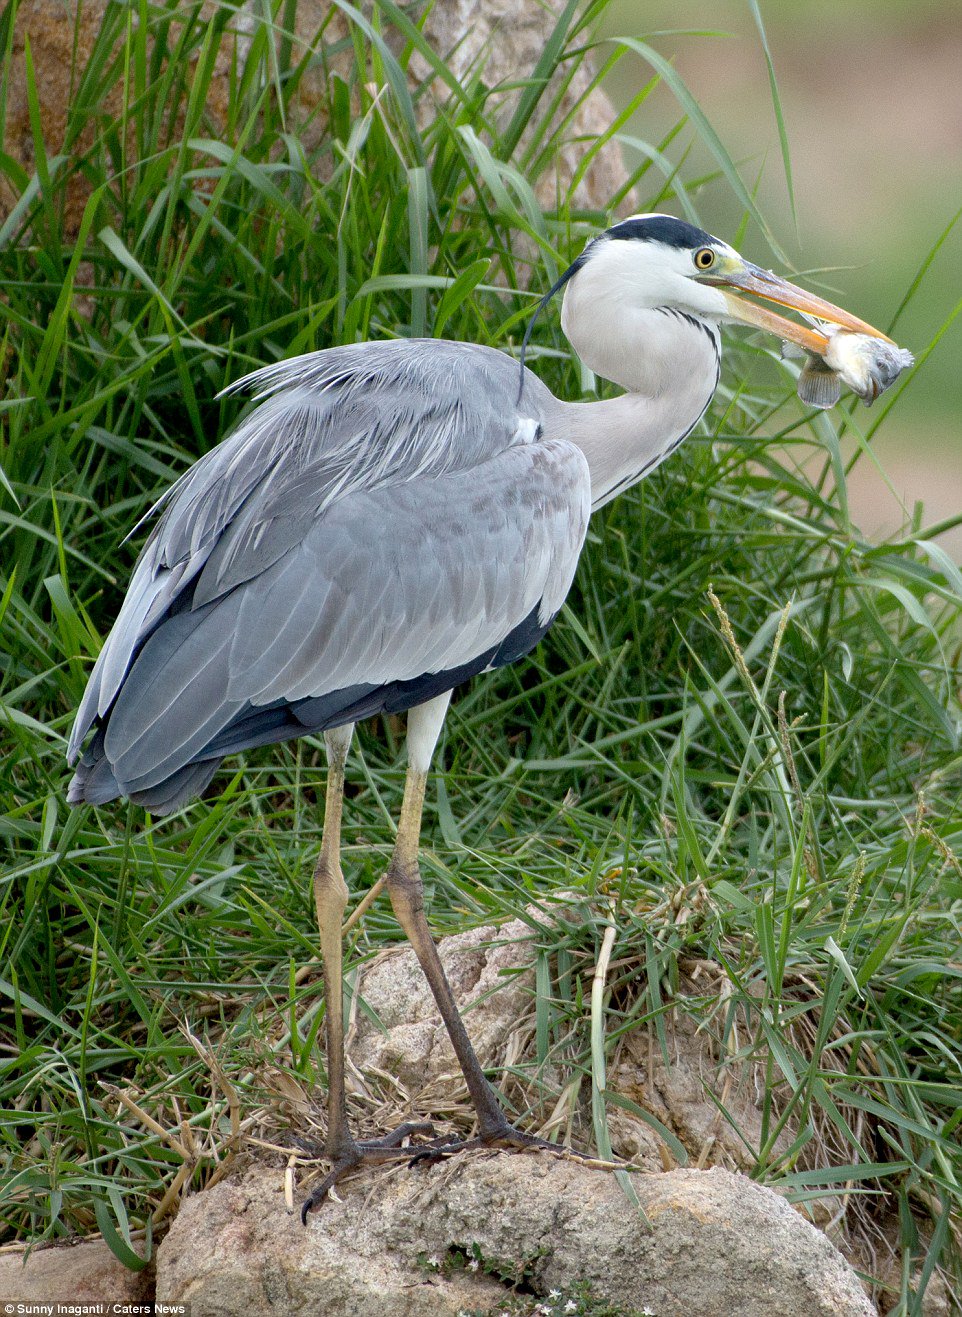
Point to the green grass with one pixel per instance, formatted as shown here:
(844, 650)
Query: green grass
(740, 743)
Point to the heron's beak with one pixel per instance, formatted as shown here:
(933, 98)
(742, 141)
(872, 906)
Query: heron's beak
(752, 279)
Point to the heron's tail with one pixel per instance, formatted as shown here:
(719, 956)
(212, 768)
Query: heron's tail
(94, 782)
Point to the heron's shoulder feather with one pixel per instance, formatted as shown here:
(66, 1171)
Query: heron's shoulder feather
(332, 423)
(328, 427)
(395, 592)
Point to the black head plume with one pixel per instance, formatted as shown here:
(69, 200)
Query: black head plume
(556, 287)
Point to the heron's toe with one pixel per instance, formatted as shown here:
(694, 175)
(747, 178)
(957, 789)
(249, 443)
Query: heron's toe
(369, 1152)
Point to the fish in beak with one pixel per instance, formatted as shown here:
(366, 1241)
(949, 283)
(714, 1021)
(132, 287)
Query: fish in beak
(838, 345)
(747, 278)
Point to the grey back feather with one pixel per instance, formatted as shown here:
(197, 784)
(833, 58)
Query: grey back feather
(387, 510)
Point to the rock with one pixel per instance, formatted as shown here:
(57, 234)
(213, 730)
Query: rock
(510, 39)
(402, 1241)
(85, 1272)
(506, 37)
(398, 1245)
(403, 1055)
(62, 35)
(676, 1088)
(491, 973)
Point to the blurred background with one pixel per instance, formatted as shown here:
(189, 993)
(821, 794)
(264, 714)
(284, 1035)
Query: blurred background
(871, 94)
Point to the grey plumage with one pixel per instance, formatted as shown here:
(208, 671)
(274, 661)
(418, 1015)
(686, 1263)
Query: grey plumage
(386, 516)
(390, 520)
(393, 517)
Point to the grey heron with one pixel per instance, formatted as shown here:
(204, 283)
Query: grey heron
(390, 520)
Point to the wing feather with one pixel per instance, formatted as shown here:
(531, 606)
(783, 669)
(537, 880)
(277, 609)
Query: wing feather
(193, 679)
(385, 513)
(329, 424)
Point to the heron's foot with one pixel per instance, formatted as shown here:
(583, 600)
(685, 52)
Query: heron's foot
(368, 1152)
(507, 1136)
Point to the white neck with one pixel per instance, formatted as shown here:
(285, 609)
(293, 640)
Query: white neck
(669, 365)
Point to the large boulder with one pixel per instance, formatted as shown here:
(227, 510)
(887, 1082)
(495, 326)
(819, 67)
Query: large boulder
(464, 1236)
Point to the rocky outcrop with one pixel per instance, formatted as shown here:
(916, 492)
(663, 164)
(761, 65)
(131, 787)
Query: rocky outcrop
(459, 1236)
(83, 1272)
(501, 38)
(435, 1242)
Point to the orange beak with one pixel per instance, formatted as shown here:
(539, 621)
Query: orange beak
(762, 283)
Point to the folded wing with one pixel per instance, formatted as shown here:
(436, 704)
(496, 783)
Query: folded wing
(305, 575)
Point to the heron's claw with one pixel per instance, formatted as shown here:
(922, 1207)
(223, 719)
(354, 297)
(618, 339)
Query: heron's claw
(519, 1140)
(388, 1148)
(429, 1154)
(368, 1152)
(505, 1136)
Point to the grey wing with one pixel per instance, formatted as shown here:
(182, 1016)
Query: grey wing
(393, 594)
(331, 423)
(386, 523)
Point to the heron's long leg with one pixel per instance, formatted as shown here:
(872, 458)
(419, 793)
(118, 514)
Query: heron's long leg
(330, 899)
(407, 898)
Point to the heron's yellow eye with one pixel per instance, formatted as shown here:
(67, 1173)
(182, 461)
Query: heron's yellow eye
(704, 258)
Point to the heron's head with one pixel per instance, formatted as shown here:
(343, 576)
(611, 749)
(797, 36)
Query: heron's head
(657, 262)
